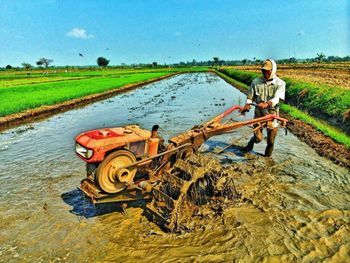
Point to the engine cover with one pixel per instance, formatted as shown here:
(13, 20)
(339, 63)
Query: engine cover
(104, 140)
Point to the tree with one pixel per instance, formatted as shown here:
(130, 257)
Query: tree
(8, 67)
(216, 61)
(256, 61)
(102, 62)
(320, 57)
(26, 65)
(292, 60)
(44, 62)
(154, 64)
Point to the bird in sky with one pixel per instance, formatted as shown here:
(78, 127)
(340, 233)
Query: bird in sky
(81, 55)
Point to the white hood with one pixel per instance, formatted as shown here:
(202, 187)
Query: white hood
(274, 69)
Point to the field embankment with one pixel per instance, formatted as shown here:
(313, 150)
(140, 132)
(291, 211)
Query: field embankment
(330, 103)
(27, 97)
(316, 102)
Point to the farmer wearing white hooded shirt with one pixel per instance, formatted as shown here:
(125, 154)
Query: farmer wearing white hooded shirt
(266, 92)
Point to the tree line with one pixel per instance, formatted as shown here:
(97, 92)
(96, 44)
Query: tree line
(102, 62)
(45, 63)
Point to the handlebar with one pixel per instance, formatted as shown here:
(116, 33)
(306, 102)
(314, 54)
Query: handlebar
(256, 105)
(268, 116)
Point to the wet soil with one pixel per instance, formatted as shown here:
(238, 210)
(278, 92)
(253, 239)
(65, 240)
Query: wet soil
(269, 214)
(322, 144)
(291, 207)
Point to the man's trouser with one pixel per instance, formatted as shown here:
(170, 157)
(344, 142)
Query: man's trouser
(258, 137)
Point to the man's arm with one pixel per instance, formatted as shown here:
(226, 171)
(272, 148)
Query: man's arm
(279, 94)
(250, 95)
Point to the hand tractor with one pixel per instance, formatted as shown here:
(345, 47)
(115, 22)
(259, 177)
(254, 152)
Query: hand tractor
(130, 163)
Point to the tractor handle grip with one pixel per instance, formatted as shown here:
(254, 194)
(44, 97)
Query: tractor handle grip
(256, 105)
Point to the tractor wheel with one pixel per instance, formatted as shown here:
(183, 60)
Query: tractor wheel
(111, 175)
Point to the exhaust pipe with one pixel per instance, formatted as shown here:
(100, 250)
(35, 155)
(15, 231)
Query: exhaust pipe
(153, 142)
(155, 131)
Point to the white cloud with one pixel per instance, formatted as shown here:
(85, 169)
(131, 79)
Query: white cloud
(79, 33)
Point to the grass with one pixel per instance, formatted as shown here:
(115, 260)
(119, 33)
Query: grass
(18, 82)
(320, 98)
(241, 76)
(232, 81)
(20, 98)
(326, 129)
(329, 100)
(20, 92)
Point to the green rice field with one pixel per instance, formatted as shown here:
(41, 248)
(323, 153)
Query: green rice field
(20, 92)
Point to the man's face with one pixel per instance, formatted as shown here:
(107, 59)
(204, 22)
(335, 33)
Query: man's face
(266, 73)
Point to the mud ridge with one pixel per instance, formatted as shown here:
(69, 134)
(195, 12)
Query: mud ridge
(321, 143)
(42, 112)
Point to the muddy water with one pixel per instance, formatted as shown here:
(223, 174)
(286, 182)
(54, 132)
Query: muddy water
(297, 209)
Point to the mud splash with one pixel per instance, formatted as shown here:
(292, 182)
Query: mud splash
(297, 209)
(274, 215)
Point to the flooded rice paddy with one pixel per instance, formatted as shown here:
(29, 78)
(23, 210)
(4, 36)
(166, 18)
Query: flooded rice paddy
(293, 207)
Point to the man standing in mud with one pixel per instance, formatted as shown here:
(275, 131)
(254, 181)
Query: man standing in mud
(265, 92)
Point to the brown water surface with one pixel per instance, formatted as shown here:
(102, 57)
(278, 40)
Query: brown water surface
(293, 207)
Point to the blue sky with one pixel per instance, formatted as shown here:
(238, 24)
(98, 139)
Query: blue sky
(143, 31)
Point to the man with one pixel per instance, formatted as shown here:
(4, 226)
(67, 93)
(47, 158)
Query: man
(265, 92)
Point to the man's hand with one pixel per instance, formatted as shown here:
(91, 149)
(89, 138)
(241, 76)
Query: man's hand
(263, 105)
